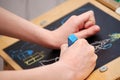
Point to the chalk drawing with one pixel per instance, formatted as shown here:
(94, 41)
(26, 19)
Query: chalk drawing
(28, 56)
(21, 53)
(101, 45)
(114, 36)
(43, 62)
(98, 45)
(34, 58)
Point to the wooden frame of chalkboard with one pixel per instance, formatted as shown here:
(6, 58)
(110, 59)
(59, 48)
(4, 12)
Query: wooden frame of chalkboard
(110, 4)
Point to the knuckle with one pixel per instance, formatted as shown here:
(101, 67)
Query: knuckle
(63, 45)
(91, 11)
(94, 59)
(81, 42)
(73, 17)
(92, 48)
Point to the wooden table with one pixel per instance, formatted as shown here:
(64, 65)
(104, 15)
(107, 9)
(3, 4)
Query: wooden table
(113, 72)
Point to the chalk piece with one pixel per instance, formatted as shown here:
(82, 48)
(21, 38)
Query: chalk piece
(71, 39)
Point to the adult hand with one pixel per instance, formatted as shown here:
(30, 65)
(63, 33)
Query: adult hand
(79, 57)
(82, 26)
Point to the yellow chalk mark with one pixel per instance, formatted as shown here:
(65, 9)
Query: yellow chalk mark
(34, 58)
(115, 36)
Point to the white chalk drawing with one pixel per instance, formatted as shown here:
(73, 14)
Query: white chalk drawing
(102, 45)
(99, 45)
(43, 62)
(107, 43)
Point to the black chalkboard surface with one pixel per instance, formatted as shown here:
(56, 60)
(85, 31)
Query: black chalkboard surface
(106, 42)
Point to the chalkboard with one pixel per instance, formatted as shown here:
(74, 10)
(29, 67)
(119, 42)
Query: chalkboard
(106, 42)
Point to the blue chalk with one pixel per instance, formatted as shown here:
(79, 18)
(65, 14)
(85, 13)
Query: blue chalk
(71, 39)
(29, 52)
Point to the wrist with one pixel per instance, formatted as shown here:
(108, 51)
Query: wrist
(45, 38)
(59, 38)
(63, 71)
(55, 71)
(74, 73)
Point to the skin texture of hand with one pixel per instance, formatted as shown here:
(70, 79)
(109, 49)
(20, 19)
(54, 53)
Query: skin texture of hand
(80, 57)
(82, 26)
